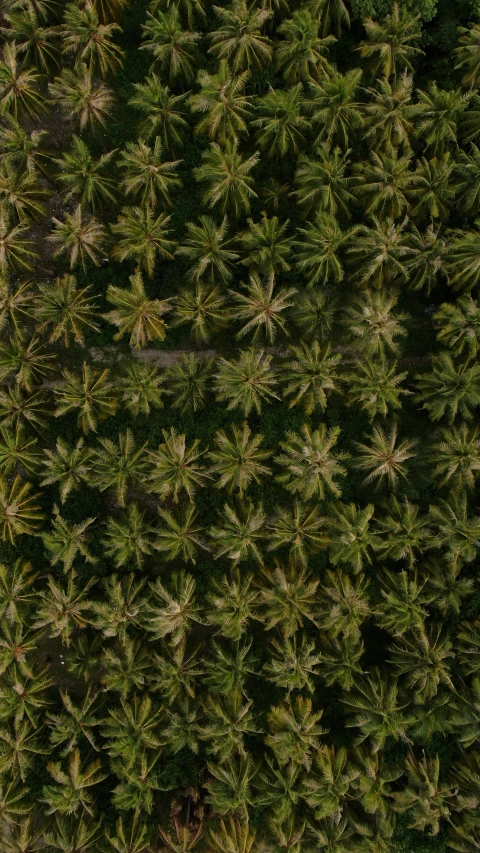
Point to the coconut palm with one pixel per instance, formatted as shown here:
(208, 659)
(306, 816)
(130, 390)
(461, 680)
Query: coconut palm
(287, 598)
(25, 148)
(19, 744)
(427, 261)
(178, 535)
(142, 237)
(237, 459)
(260, 308)
(372, 324)
(18, 450)
(227, 174)
(423, 658)
(16, 408)
(192, 10)
(458, 326)
(402, 605)
(91, 393)
(404, 531)
(278, 789)
(352, 537)
(382, 184)
(232, 601)
(24, 361)
(468, 54)
(227, 720)
(223, 101)
(344, 605)
(173, 48)
(322, 182)
(229, 666)
(189, 380)
(175, 466)
(274, 193)
(147, 176)
(162, 111)
(15, 250)
(319, 249)
(123, 604)
(332, 15)
(247, 382)
(65, 542)
(294, 732)
(432, 186)
(19, 87)
(135, 314)
(19, 512)
(455, 531)
(16, 304)
(131, 729)
(204, 308)
(293, 663)
(90, 41)
(63, 832)
(71, 791)
(467, 186)
(301, 54)
(62, 609)
(441, 112)
(383, 459)
(238, 38)
(77, 93)
(447, 588)
(175, 608)
(376, 387)
(141, 388)
(340, 660)
(68, 466)
(456, 455)
(310, 375)
(118, 466)
(314, 313)
(239, 533)
(34, 41)
(65, 311)
(462, 260)
(234, 837)
(79, 236)
(450, 389)
(208, 251)
(301, 528)
(280, 122)
(379, 715)
(265, 245)
(330, 785)
(21, 192)
(110, 10)
(82, 176)
(390, 115)
(390, 45)
(335, 114)
(381, 250)
(310, 467)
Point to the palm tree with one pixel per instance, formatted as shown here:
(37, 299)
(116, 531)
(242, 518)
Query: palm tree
(79, 236)
(227, 720)
(63, 833)
(130, 729)
(239, 38)
(162, 112)
(383, 459)
(179, 536)
(228, 785)
(426, 263)
(301, 54)
(287, 598)
(422, 657)
(122, 606)
(454, 531)
(372, 325)
(189, 380)
(141, 388)
(110, 10)
(456, 455)
(19, 512)
(294, 732)
(65, 542)
(331, 14)
(65, 310)
(68, 466)
(16, 408)
(135, 314)
(125, 666)
(468, 54)
(147, 175)
(175, 608)
(293, 663)
(402, 606)
(390, 46)
(447, 588)
(441, 110)
(207, 249)
(426, 799)
(390, 114)
(314, 313)
(247, 382)
(90, 393)
(19, 92)
(142, 236)
(330, 785)
(16, 304)
(382, 184)
(333, 108)
(278, 789)
(118, 466)
(265, 244)
(344, 605)
(322, 182)
(404, 530)
(301, 528)
(230, 185)
(319, 249)
(462, 260)
(18, 450)
(232, 600)
(89, 40)
(26, 360)
(237, 459)
(310, 375)
(173, 48)
(375, 702)
(21, 192)
(15, 251)
(375, 387)
(228, 669)
(175, 466)
(130, 837)
(62, 610)
(281, 123)
(467, 186)
(261, 308)
(310, 467)
(432, 186)
(204, 308)
(77, 93)
(239, 533)
(82, 176)
(19, 743)
(190, 9)
(234, 837)
(34, 41)
(450, 389)
(223, 101)
(274, 193)
(459, 326)
(340, 659)
(352, 537)
(382, 251)
(71, 791)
